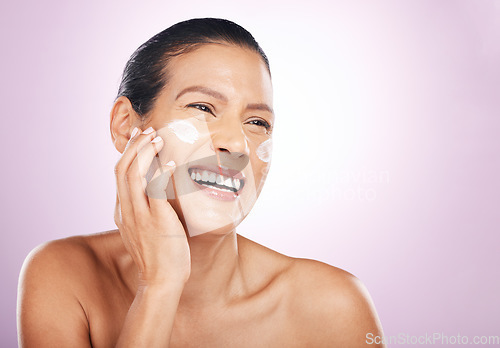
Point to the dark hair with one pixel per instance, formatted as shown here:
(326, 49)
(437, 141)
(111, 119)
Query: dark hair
(146, 73)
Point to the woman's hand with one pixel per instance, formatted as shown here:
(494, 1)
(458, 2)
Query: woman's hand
(149, 227)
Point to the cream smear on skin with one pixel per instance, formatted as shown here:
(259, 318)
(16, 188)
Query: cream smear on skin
(184, 130)
(264, 150)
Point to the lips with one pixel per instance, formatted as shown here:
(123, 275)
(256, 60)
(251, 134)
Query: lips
(219, 176)
(216, 178)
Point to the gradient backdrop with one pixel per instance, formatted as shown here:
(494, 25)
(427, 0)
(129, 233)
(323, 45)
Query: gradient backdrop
(386, 158)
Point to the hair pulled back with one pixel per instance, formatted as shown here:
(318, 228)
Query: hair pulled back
(146, 72)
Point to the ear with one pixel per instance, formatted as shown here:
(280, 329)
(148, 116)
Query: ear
(123, 120)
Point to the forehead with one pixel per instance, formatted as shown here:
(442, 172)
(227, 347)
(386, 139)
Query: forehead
(231, 70)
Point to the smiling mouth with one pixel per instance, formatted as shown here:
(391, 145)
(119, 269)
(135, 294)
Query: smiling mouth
(222, 180)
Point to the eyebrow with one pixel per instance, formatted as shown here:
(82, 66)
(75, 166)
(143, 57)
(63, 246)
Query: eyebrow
(217, 95)
(204, 90)
(260, 106)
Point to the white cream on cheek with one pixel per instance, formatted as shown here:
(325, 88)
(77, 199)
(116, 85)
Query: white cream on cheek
(264, 150)
(184, 130)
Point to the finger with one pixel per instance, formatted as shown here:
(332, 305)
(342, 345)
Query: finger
(137, 141)
(134, 146)
(137, 171)
(147, 160)
(158, 190)
(121, 167)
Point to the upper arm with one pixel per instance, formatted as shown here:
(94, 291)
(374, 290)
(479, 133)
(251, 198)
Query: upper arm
(49, 313)
(354, 313)
(337, 308)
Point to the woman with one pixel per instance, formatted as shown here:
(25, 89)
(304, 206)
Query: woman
(193, 120)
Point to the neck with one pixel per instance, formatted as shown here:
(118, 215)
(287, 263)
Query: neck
(216, 275)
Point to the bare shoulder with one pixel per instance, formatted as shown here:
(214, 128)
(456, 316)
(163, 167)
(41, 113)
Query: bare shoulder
(62, 258)
(325, 306)
(54, 280)
(331, 307)
(68, 265)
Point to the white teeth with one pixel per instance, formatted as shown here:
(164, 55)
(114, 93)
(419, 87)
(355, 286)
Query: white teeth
(211, 178)
(219, 180)
(236, 184)
(204, 176)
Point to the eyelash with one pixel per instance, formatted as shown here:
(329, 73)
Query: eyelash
(201, 107)
(205, 108)
(263, 123)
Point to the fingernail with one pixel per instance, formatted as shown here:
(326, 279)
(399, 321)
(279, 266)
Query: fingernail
(134, 132)
(156, 140)
(148, 131)
(170, 163)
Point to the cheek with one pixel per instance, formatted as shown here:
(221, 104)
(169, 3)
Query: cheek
(264, 151)
(182, 138)
(261, 161)
(184, 131)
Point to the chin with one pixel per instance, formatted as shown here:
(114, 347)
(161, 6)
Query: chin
(202, 215)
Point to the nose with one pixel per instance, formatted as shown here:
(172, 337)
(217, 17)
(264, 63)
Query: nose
(229, 137)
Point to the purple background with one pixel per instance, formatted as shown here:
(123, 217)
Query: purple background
(386, 148)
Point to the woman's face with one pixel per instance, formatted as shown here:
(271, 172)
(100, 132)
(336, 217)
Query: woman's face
(215, 117)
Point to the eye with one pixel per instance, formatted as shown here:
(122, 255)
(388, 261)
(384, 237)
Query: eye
(260, 123)
(200, 107)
